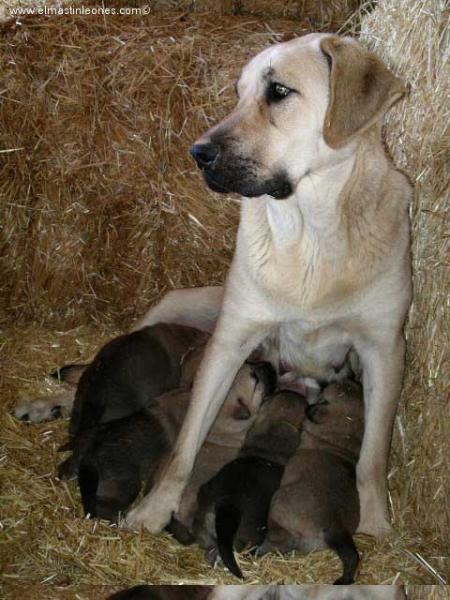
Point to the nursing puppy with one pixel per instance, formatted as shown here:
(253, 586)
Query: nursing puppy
(222, 446)
(317, 505)
(114, 459)
(234, 505)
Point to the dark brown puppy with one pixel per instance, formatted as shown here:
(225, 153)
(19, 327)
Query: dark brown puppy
(163, 592)
(115, 459)
(132, 370)
(126, 376)
(317, 505)
(234, 505)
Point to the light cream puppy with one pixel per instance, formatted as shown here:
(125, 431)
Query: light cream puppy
(322, 260)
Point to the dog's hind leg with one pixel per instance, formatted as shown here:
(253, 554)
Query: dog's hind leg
(193, 307)
(69, 373)
(342, 543)
(46, 409)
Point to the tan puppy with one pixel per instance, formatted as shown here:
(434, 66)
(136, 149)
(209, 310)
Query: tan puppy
(228, 433)
(234, 505)
(317, 504)
(322, 261)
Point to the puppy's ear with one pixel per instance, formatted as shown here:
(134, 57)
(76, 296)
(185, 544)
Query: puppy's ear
(241, 412)
(362, 89)
(318, 413)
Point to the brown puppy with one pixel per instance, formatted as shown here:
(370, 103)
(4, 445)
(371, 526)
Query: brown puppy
(163, 592)
(234, 505)
(131, 371)
(115, 458)
(317, 505)
(224, 442)
(125, 376)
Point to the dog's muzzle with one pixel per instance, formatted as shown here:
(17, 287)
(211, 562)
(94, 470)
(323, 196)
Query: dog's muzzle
(226, 171)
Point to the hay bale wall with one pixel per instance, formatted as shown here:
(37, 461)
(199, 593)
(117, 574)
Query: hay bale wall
(318, 12)
(413, 36)
(103, 211)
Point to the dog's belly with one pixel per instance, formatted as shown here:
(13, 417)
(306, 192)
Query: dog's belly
(296, 351)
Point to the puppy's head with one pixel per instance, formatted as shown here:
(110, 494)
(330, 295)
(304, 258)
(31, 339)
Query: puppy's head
(338, 417)
(300, 104)
(252, 386)
(275, 434)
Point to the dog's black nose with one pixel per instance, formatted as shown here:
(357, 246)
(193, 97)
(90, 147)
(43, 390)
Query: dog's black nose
(205, 155)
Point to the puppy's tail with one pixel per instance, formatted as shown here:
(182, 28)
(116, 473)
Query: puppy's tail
(228, 518)
(69, 373)
(88, 479)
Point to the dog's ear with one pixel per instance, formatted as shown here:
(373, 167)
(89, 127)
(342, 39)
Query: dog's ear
(318, 413)
(241, 411)
(362, 89)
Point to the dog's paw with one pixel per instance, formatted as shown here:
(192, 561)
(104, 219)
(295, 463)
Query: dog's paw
(152, 514)
(374, 517)
(37, 411)
(42, 410)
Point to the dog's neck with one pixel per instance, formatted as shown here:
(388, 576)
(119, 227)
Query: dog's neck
(313, 208)
(311, 236)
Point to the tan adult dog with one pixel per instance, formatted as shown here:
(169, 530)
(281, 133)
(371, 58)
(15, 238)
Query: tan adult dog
(322, 261)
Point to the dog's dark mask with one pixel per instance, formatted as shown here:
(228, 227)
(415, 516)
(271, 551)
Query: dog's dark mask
(227, 171)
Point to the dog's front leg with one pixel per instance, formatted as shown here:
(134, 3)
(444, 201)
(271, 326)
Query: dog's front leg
(233, 340)
(383, 366)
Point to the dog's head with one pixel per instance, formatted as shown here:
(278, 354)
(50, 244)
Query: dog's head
(300, 105)
(338, 416)
(252, 386)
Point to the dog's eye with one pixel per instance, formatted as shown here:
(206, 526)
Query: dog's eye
(277, 92)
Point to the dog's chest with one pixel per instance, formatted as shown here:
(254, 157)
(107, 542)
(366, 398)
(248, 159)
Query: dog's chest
(306, 268)
(297, 351)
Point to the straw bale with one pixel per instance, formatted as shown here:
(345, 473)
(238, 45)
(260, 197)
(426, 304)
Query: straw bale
(317, 12)
(428, 592)
(103, 211)
(413, 36)
(102, 207)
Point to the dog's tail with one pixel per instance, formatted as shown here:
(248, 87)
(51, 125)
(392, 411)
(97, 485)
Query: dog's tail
(69, 373)
(88, 480)
(228, 518)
